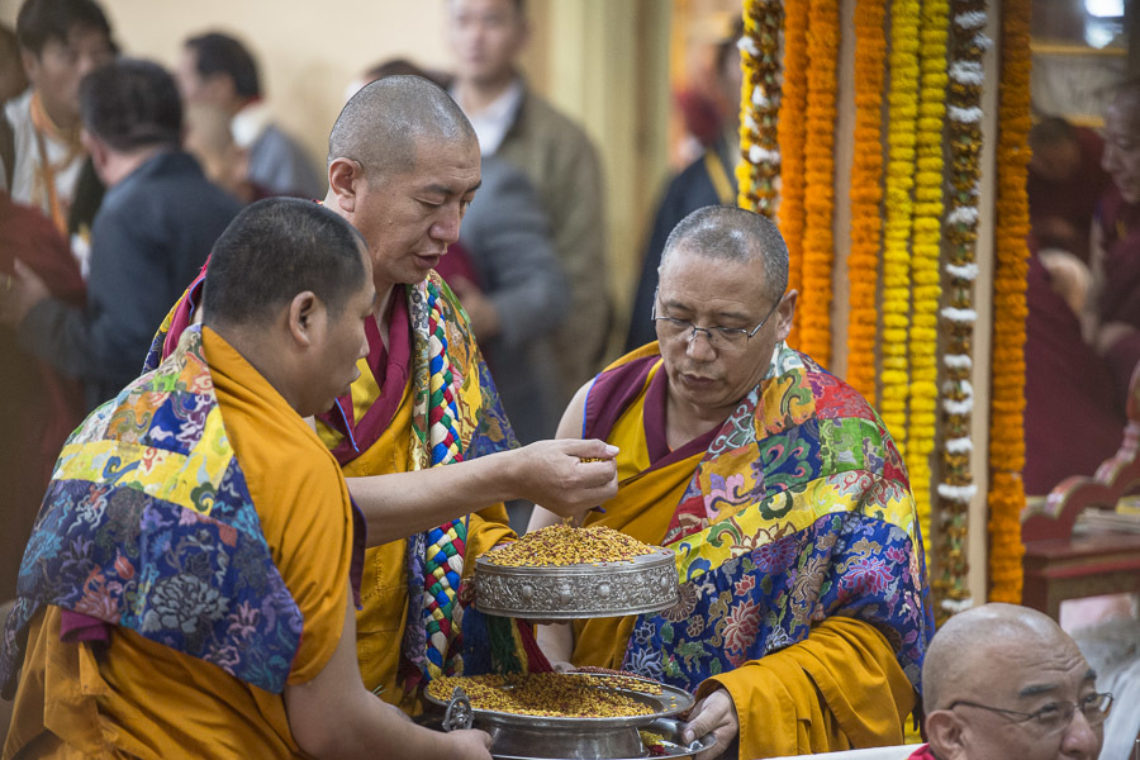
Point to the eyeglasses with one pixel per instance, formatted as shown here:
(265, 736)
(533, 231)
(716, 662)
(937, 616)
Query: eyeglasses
(671, 328)
(1055, 717)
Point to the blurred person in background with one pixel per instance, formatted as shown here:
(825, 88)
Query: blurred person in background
(516, 124)
(45, 163)
(155, 228)
(39, 405)
(218, 69)
(710, 180)
(1065, 184)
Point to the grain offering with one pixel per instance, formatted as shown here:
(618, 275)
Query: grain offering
(562, 545)
(558, 695)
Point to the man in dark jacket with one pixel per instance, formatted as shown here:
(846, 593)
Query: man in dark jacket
(153, 232)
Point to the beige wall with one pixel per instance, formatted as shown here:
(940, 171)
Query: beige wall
(308, 52)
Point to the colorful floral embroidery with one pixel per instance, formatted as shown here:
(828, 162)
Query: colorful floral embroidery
(810, 517)
(148, 525)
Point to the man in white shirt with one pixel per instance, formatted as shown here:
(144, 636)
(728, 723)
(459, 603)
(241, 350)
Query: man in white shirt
(60, 42)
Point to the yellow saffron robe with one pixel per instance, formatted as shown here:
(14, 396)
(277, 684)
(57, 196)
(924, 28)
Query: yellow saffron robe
(841, 687)
(135, 697)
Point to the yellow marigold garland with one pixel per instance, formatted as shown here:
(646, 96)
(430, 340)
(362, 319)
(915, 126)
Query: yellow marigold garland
(814, 304)
(792, 141)
(758, 174)
(956, 489)
(866, 195)
(1007, 428)
(901, 124)
(926, 253)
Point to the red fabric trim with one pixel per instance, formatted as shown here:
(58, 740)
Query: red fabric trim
(391, 366)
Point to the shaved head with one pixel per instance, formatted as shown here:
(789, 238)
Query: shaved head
(383, 124)
(967, 645)
(733, 234)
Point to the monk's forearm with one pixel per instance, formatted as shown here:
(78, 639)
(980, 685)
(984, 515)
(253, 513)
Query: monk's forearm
(400, 504)
(567, 476)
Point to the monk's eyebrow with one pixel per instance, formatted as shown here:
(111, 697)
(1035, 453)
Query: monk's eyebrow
(1034, 689)
(447, 190)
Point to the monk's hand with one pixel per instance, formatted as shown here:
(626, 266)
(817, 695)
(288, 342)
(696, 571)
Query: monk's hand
(568, 476)
(19, 292)
(469, 744)
(715, 714)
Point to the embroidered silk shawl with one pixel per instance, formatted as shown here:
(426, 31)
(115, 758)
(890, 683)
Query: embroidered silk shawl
(799, 510)
(148, 525)
(457, 415)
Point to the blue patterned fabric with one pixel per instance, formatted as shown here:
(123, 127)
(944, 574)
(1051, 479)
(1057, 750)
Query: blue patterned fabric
(148, 525)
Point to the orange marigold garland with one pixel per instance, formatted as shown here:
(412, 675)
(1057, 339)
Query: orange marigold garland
(901, 124)
(814, 304)
(758, 174)
(792, 140)
(957, 489)
(866, 195)
(1007, 428)
(926, 253)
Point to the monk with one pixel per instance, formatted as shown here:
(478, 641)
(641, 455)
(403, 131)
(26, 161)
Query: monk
(187, 587)
(803, 613)
(1005, 681)
(1115, 303)
(403, 166)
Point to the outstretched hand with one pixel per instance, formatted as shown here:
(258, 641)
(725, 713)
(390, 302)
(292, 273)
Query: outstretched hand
(554, 475)
(715, 714)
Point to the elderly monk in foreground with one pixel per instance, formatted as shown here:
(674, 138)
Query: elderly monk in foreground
(403, 166)
(1003, 681)
(803, 614)
(186, 590)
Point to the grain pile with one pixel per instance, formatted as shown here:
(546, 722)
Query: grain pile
(561, 545)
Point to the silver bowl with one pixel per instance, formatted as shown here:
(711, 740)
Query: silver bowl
(646, 583)
(533, 737)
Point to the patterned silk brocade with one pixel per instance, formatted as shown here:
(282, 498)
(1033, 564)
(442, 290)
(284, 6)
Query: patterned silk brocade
(799, 510)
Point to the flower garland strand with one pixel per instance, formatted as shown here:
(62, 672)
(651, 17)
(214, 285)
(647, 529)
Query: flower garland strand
(1007, 422)
(956, 489)
(926, 254)
(819, 181)
(902, 118)
(866, 195)
(758, 174)
(792, 141)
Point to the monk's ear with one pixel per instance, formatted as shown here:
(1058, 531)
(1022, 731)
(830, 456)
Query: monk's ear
(946, 734)
(304, 311)
(785, 313)
(345, 177)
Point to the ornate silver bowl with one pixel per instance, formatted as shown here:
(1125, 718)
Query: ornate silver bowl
(647, 583)
(530, 737)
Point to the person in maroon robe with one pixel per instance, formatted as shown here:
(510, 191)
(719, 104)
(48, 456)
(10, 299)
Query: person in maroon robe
(39, 407)
(1074, 414)
(1115, 331)
(1065, 182)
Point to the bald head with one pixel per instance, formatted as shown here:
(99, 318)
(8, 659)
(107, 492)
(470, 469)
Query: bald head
(960, 659)
(382, 124)
(727, 233)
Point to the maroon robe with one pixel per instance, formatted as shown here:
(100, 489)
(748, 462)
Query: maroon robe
(1074, 414)
(1119, 301)
(39, 407)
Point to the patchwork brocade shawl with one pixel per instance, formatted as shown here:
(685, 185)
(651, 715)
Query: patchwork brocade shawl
(148, 525)
(457, 415)
(798, 510)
